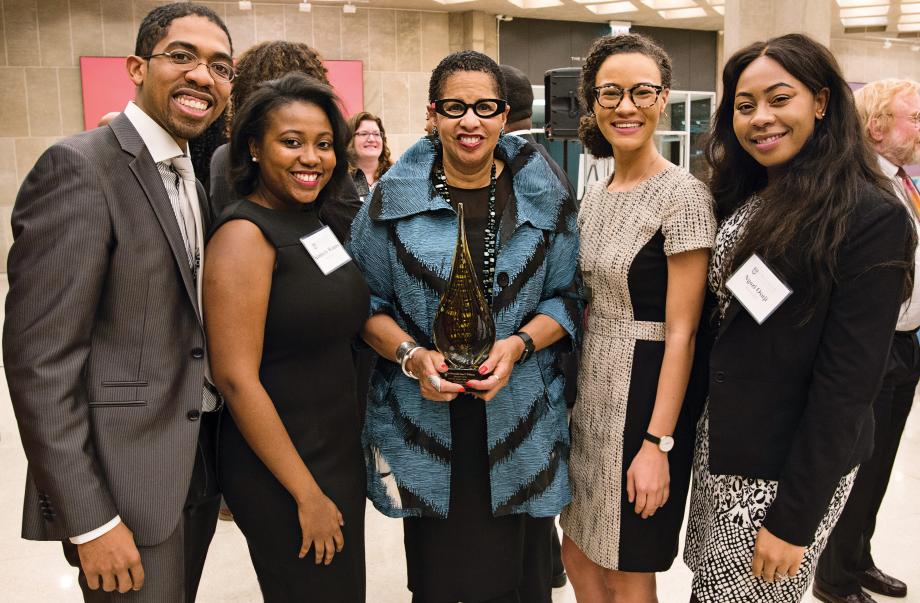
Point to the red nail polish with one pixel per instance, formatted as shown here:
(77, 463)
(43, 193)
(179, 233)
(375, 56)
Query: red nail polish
(443, 367)
(462, 390)
(483, 369)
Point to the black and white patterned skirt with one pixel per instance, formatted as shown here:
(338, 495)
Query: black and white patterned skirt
(726, 511)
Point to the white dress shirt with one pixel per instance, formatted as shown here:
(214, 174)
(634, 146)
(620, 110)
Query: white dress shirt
(909, 319)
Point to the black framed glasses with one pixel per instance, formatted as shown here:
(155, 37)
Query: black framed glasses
(454, 108)
(187, 60)
(643, 96)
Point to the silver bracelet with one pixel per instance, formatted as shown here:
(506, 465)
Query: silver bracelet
(405, 359)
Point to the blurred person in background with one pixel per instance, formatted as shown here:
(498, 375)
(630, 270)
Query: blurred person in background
(889, 111)
(368, 153)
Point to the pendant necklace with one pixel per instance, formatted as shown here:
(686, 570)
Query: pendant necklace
(488, 264)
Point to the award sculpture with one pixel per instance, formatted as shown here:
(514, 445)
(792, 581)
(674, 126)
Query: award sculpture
(463, 328)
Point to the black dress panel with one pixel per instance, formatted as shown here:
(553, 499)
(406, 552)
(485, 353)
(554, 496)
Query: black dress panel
(308, 371)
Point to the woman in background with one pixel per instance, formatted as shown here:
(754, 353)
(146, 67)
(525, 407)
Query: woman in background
(280, 322)
(645, 241)
(368, 153)
(798, 191)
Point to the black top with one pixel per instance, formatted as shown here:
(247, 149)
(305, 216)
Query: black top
(791, 401)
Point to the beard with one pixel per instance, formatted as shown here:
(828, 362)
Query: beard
(903, 150)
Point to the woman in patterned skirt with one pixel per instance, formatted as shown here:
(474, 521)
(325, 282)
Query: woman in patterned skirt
(646, 236)
(788, 418)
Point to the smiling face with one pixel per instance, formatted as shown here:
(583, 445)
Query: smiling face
(774, 113)
(469, 141)
(296, 156)
(368, 140)
(901, 143)
(184, 103)
(628, 128)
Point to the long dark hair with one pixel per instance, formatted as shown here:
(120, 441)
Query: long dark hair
(251, 122)
(810, 205)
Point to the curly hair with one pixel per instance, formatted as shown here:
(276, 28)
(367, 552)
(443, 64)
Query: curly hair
(155, 25)
(252, 122)
(809, 208)
(269, 61)
(604, 47)
(465, 60)
(383, 161)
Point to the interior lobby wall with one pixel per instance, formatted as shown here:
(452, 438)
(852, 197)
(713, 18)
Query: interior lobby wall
(867, 60)
(41, 42)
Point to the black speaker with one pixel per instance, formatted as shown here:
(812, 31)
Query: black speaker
(562, 110)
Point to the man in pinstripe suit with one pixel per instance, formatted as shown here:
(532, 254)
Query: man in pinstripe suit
(103, 339)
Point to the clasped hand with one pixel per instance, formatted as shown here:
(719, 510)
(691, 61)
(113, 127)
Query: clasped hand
(504, 353)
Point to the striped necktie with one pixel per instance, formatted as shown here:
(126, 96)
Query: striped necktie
(910, 189)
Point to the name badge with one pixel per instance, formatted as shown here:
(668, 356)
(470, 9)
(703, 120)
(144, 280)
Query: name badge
(757, 289)
(326, 250)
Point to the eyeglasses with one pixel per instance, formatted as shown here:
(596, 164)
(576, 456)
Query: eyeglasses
(369, 135)
(643, 96)
(913, 118)
(455, 108)
(187, 61)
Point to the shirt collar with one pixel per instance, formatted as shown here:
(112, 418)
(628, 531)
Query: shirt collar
(889, 169)
(158, 141)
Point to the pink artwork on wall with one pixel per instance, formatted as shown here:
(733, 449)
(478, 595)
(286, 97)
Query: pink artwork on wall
(107, 87)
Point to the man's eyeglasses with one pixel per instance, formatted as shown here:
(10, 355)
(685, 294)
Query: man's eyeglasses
(643, 96)
(913, 118)
(363, 134)
(186, 61)
(455, 108)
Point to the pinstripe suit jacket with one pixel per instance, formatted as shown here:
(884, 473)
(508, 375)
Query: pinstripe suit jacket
(103, 346)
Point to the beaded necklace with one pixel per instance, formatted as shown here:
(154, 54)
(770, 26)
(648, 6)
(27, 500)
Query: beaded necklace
(488, 264)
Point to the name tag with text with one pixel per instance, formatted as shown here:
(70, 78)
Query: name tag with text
(326, 250)
(757, 288)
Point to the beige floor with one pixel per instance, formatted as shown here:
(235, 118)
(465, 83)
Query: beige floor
(35, 572)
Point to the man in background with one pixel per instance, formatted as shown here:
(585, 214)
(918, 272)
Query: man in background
(890, 113)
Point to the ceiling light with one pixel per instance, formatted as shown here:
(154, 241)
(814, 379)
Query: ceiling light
(683, 13)
(864, 11)
(719, 9)
(908, 26)
(849, 3)
(349, 9)
(612, 8)
(915, 18)
(535, 3)
(305, 7)
(619, 27)
(864, 21)
(910, 8)
(716, 2)
(245, 4)
(666, 4)
(887, 44)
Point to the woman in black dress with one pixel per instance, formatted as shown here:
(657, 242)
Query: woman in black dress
(282, 313)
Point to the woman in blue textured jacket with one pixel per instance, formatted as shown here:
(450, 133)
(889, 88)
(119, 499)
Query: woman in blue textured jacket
(477, 469)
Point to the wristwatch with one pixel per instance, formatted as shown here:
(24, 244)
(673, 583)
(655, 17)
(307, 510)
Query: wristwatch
(528, 347)
(665, 443)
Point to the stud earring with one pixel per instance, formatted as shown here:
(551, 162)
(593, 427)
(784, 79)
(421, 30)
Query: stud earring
(255, 159)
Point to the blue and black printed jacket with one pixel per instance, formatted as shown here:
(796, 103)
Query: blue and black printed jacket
(403, 239)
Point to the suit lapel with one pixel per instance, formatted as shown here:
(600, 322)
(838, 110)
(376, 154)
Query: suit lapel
(145, 170)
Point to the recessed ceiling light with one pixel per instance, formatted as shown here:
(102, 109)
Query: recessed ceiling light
(849, 3)
(349, 9)
(683, 13)
(666, 4)
(612, 8)
(908, 26)
(910, 8)
(864, 21)
(305, 7)
(887, 44)
(535, 3)
(864, 11)
(716, 2)
(245, 4)
(719, 9)
(915, 18)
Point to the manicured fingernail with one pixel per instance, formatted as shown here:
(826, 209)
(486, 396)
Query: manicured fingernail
(462, 390)
(443, 367)
(483, 369)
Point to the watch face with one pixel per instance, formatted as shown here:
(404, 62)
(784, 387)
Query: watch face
(666, 444)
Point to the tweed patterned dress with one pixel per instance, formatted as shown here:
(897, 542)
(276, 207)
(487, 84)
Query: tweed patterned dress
(625, 240)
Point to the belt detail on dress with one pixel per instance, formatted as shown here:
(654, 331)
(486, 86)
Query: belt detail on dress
(620, 328)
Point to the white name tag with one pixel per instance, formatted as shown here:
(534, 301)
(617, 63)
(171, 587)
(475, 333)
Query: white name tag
(326, 250)
(757, 288)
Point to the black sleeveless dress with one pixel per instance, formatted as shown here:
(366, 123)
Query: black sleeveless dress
(308, 371)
